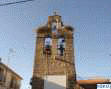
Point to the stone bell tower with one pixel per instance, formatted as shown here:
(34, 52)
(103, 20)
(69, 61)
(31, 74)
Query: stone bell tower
(54, 66)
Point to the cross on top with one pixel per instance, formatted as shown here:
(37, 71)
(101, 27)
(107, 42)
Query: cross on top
(55, 12)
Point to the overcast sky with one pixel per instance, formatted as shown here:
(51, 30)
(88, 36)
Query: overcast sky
(90, 18)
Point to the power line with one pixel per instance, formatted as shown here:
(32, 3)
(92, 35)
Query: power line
(4, 4)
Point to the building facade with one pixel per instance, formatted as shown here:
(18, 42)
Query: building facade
(8, 78)
(92, 84)
(54, 66)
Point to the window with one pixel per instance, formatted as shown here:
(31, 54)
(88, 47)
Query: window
(53, 27)
(13, 83)
(1, 74)
(61, 46)
(48, 41)
(47, 45)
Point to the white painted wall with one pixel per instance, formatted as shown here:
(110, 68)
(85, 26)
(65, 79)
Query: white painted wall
(103, 86)
(55, 82)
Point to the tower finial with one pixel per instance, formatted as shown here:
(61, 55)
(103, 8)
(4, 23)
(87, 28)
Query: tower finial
(55, 13)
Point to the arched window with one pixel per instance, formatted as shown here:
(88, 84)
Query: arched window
(61, 46)
(47, 44)
(53, 27)
(48, 41)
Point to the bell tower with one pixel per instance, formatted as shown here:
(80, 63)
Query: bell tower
(54, 66)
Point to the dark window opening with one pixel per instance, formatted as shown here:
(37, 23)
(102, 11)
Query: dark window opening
(47, 45)
(2, 77)
(13, 83)
(54, 28)
(61, 46)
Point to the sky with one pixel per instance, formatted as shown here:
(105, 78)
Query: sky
(91, 20)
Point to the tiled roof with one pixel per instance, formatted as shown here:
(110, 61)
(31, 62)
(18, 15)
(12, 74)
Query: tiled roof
(95, 81)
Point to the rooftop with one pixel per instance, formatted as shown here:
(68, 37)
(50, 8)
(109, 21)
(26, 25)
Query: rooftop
(10, 70)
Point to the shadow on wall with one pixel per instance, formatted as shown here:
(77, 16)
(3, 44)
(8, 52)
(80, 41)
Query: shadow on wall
(51, 82)
(51, 85)
(55, 82)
